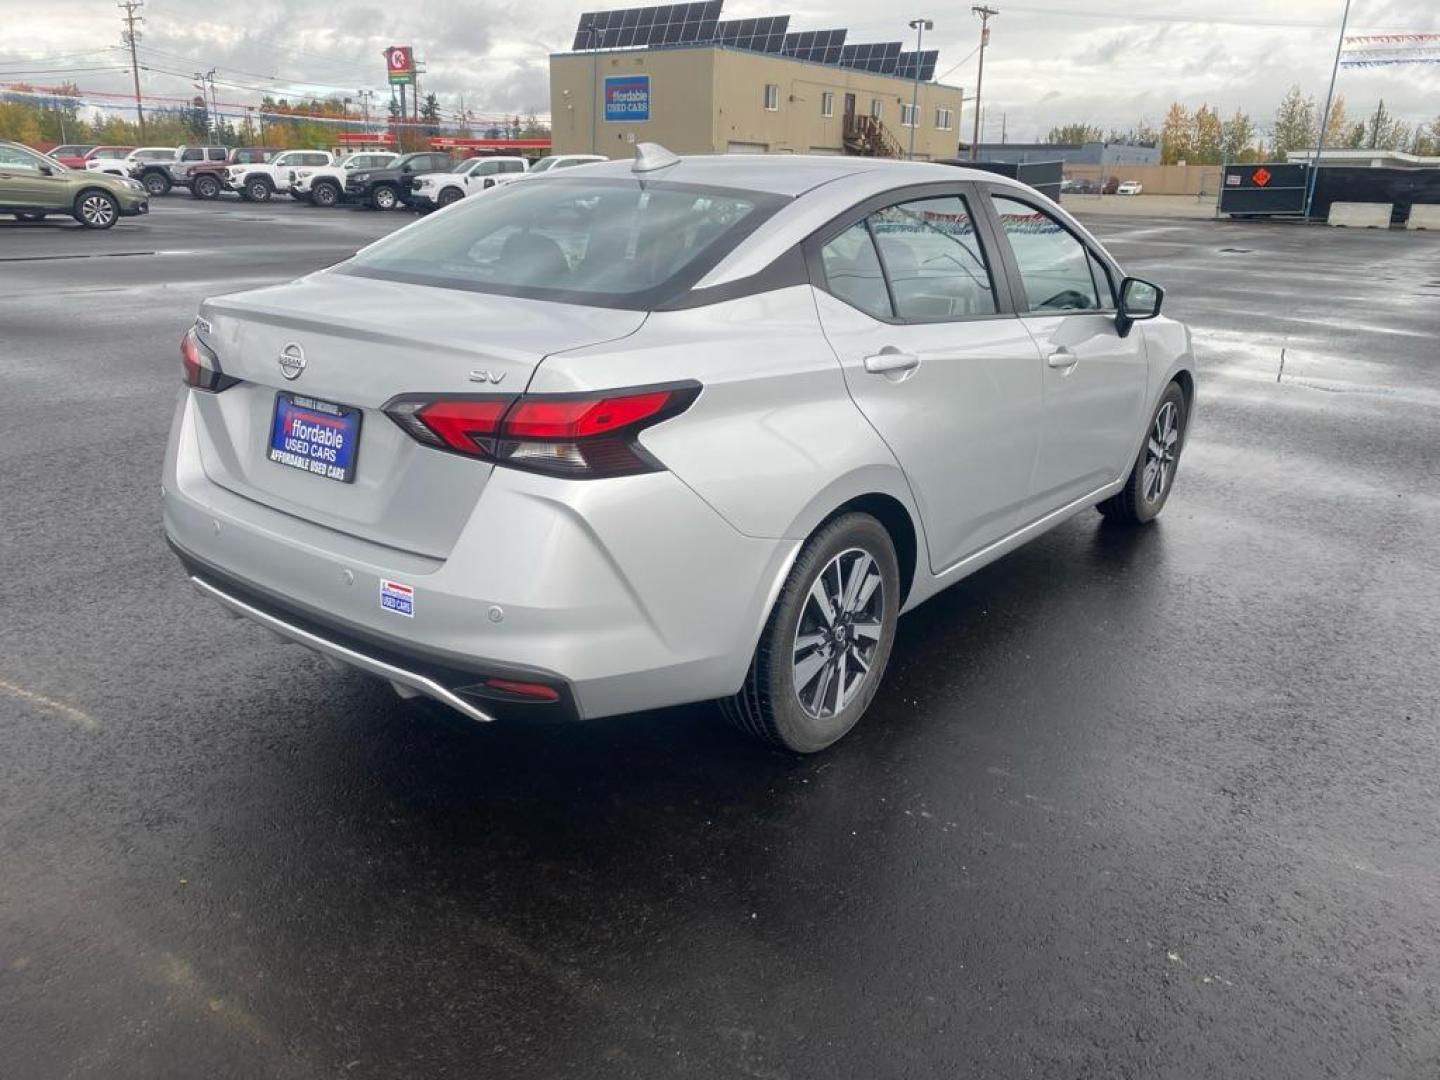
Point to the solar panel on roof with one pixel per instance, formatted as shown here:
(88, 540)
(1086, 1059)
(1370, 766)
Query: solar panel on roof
(759, 35)
(905, 69)
(818, 46)
(881, 57)
(670, 24)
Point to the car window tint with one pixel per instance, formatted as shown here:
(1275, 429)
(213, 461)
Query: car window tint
(217, 154)
(606, 237)
(852, 271)
(1054, 265)
(933, 259)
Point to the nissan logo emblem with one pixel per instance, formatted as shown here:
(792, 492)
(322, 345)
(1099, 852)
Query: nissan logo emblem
(292, 361)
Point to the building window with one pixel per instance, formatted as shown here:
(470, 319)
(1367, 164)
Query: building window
(907, 115)
(827, 104)
(944, 119)
(875, 107)
(772, 97)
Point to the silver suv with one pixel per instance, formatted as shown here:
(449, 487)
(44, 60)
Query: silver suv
(636, 435)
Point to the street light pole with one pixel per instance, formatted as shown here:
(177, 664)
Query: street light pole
(984, 13)
(591, 35)
(919, 26)
(1325, 116)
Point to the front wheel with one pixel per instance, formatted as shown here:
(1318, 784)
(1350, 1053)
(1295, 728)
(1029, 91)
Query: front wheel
(324, 194)
(448, 197)
(824, 649)
(258, 190)
(156, 184)
(1153, 474)
(384, 198)
(96, 209)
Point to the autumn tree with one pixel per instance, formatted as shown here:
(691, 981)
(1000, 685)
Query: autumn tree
(1206, 137)
(1176, 135)
(1336, 125)
(1237, 138)
(1294, 123)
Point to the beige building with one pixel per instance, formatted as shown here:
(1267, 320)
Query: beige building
(705, 99)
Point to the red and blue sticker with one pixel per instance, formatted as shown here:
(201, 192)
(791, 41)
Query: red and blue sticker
(397, 598)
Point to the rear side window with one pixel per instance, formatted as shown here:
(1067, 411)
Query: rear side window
(1055, 267)
(192, 155)
(933, 259)
(607, 242)
(217, 154)
(852, 271)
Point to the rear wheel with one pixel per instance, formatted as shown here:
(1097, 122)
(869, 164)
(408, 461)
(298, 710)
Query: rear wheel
(156, 183)
(1153, 474)
(825, 646)
(96, 209)
(324, 193)
(384, 197)
(205, 187)
(259, 189)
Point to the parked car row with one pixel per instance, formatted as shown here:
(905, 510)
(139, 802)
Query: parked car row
(1111, 185)
(382, 180)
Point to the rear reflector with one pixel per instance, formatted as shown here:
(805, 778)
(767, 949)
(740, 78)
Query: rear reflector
(532, 690)
(576, 435)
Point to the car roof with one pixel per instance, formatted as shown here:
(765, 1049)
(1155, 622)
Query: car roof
(792, 174)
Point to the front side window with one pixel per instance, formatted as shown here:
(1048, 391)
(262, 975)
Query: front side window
(601, 241)
(192, 155)
(827, 104)
(1054, 264)
(772, 97)
(933, 259)
(853, 274)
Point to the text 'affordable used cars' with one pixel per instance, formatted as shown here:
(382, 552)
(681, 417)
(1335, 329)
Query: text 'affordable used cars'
(633, 435)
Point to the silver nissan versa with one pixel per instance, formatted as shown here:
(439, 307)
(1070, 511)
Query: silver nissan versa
(638, 434)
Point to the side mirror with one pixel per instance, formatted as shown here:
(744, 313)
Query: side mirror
(1138, 300)
(46, 170)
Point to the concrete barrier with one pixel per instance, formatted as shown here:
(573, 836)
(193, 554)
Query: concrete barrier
(1424, 216)
(1360, 215)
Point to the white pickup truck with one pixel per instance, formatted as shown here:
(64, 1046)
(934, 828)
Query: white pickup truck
(324, 185)
(476, 174)
(257, 182)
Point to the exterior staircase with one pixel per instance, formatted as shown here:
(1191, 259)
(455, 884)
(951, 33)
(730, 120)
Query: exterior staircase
(867, 136)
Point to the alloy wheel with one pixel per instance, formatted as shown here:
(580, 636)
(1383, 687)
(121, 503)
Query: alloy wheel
(97, 211)
(324, 195)
(838, 634)
(385, 199)
(1161, 449)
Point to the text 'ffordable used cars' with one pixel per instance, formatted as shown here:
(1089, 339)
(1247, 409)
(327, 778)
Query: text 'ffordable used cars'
(633, 435)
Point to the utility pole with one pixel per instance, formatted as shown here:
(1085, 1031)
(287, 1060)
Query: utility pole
(131, 37)
(215, 101)
(919, 26)
(365, 96)
(985, 13)
(1325, 115)
(1004, 121)
(594, 39)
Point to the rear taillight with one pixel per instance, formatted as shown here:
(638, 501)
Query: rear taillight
(575, 435)
(201, 365)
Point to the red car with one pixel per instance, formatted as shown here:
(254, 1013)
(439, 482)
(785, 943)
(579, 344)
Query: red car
(72, 155)
(105, 153)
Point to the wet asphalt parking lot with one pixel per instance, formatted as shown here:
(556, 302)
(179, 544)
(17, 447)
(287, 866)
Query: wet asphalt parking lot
(1129, 804)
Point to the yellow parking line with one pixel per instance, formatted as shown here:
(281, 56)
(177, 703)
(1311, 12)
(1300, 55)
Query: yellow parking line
(72, 713)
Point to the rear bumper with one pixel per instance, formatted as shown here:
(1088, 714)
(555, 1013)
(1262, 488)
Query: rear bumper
(630, 594)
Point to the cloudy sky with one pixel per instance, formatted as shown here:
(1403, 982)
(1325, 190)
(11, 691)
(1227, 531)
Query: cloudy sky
(1106, 62)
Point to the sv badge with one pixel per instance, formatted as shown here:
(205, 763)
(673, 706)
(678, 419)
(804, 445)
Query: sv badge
(481, 375)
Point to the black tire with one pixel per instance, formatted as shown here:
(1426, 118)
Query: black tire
(96, 209)
(768, 706)
(324, 193)
(258, 189)
(384, 197)
(156, 183)
(1139, 501)
(30, 215)
(448, 197)
(205, 187)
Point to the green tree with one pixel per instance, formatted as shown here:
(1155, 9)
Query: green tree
(1386, 132)
(1427, 138)
(1237, 138)
(1072, 134)
(1294, 123)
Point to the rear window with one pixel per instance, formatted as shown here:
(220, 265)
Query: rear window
(604, 242)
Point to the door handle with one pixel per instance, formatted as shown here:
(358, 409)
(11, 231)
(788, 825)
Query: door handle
(888, 361)
(1062, 358)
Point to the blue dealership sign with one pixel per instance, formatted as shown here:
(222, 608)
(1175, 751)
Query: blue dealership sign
(627, 98)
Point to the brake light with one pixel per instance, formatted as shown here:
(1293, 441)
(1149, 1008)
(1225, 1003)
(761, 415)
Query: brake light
(201, 365)
(575, 435)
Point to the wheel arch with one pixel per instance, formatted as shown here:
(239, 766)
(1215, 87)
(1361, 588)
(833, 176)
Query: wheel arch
(89, 189)
(895, 517)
